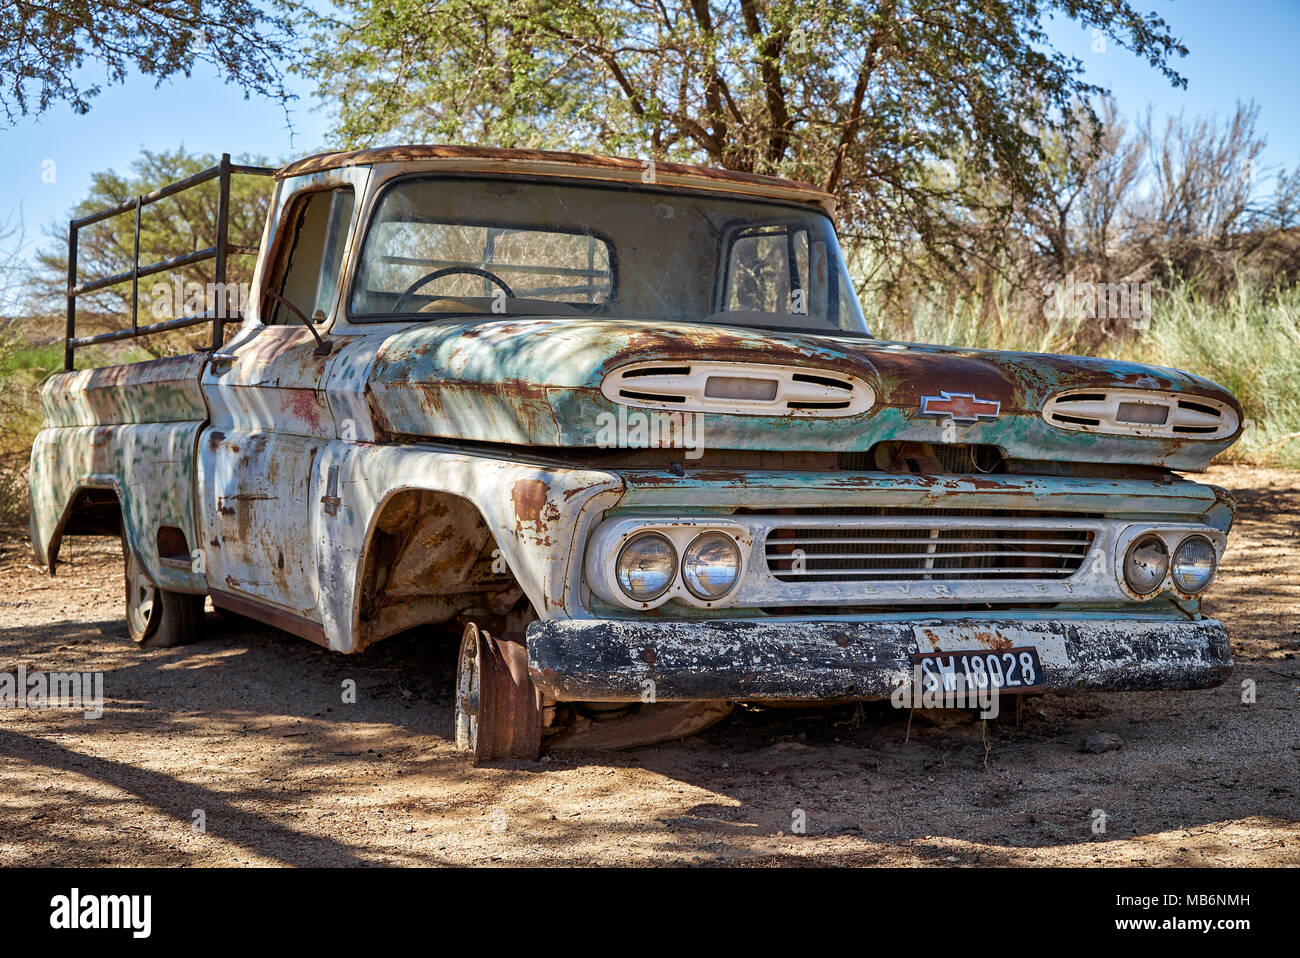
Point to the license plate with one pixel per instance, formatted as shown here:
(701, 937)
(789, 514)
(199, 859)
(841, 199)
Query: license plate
(1008, 669)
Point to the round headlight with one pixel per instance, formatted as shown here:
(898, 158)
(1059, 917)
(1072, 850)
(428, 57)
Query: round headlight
(646, 566)
(711, 565)
(1146, 564)
(1193, 564)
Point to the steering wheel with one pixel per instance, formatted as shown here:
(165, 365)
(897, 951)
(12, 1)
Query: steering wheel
(448, 271)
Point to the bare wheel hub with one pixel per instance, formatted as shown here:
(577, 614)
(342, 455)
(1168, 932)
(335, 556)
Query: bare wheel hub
(467, 690)
(498, 710)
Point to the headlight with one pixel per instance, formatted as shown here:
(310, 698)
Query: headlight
(646, 566)
(711, 565)
(1193, 564)
(1145, 564)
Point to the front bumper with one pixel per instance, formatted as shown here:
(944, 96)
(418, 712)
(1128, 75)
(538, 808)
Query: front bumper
(793, 660)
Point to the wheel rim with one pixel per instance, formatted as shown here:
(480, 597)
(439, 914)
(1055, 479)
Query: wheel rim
(468, 685)
(141, 597)
(497, 714)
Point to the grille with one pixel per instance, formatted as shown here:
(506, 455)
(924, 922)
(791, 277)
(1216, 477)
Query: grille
(923, 458)
(923, 550)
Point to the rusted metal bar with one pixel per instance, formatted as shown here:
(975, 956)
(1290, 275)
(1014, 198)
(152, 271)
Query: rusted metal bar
(180, 322)
(135, 273)
(277, 618)
(71, 330)
(223, 248)
(219, 251)
(173, 188)
(185, 259)
(237, 169)
(152, 197)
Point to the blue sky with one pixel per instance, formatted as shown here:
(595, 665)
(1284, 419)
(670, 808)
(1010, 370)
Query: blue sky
(1237, 52)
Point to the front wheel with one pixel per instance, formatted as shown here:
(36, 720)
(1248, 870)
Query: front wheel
(156, 617)
(498, 713)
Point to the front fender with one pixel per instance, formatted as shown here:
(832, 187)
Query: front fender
(538, 513)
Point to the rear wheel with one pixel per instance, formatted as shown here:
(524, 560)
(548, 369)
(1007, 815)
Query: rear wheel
(155, 617)
(498, 711)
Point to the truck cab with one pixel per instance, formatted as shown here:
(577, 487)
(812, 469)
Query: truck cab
(624, 427)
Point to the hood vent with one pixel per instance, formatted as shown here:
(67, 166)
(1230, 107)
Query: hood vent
(1143, 413)
(752, 389)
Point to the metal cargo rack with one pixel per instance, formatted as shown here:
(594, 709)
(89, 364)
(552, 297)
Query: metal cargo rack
(219, 251)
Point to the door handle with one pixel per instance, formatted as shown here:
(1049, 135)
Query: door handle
(221, 362)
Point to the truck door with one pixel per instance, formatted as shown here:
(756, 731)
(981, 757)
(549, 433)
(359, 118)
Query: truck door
(270, 415)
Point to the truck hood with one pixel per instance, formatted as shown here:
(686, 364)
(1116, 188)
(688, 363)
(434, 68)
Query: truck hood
(537, 382)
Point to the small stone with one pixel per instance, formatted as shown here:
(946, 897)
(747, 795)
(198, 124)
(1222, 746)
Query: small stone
(1094, 743)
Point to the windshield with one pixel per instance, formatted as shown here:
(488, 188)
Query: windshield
(441, 248)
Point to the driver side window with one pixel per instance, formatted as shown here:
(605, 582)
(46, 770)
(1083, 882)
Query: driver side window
(316, 230)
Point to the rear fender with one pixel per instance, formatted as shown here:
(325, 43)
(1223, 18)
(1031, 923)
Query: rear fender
(148, 467)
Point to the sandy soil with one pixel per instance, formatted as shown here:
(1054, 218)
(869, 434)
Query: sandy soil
(250, 730)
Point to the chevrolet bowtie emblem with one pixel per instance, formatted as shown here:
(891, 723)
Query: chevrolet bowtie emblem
(960, 407)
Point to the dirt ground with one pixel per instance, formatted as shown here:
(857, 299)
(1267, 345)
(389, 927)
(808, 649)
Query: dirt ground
(247, 732)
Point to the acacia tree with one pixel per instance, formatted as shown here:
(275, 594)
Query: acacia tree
(1188, 200)
(906, 109)
(45, 44)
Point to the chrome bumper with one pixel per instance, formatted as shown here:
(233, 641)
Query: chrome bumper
(795, 660)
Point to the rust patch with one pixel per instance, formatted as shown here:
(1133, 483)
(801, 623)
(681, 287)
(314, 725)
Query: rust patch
(506, 161)
(529, 497)
(994, 641)
(302, 404)
(578, 490)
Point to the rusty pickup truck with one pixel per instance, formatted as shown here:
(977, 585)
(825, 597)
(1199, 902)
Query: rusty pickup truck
(623, 426)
